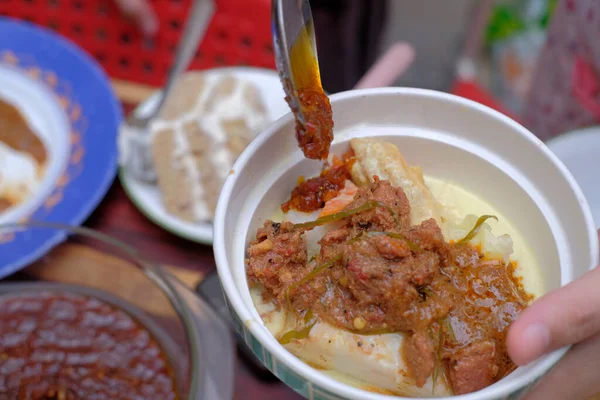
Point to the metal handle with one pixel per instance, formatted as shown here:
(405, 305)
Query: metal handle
(196, 25)
(291, 19)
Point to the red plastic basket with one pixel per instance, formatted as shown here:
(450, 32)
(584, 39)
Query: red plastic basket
(239, 34)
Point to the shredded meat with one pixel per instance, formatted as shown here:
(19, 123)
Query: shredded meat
(332, 243)
(381, 218)
(316, 133)
(391, 248)
(419, 356)
(473, 368)
(277, 258)
(378, 274)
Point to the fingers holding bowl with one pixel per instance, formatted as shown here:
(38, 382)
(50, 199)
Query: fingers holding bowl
(565, 316)
(579, 368)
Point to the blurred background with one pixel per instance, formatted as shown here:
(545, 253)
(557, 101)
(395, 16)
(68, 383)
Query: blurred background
(352, 33)
(500, 39)
(537, 61)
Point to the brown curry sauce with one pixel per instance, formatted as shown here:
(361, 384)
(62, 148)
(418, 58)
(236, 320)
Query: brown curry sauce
(16, 133)
(315, 132)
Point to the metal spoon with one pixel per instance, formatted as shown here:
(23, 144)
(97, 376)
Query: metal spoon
(296, 54)
(135, 141)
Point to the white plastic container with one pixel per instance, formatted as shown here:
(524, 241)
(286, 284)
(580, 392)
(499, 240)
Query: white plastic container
(450, 138)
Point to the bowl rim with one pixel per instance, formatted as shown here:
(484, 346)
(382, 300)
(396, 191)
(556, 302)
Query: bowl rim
(309, 373)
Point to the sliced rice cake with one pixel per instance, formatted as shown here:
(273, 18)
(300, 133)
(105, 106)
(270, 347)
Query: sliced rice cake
(206, 123)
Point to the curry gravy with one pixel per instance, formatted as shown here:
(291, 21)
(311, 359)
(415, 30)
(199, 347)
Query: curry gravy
(458, 202)
(23, 157)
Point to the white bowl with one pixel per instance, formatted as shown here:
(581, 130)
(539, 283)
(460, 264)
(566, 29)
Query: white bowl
(450, 138)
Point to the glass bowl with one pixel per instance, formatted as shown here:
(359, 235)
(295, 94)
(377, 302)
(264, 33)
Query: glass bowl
(92, 290)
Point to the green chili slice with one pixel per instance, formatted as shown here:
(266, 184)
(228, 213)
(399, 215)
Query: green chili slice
(367, 206)
(438, 359)
(449, 329)
(476, 228)
(303, 333)
(356, 238)
(444, 324)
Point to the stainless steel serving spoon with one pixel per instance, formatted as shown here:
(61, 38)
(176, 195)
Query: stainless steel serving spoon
(297, 63)
(135, 140)
(295, 50)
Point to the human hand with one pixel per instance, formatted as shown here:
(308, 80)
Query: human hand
(142, 14)
(569, 315)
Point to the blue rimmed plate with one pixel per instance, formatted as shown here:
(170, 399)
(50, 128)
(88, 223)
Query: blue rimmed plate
(68, 102)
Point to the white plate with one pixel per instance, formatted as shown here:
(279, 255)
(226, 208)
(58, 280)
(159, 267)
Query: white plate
(580, 151)
(147, 198)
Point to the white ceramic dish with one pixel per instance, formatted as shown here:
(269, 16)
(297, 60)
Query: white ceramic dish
(450, 138)
(147, 198)
(40, 108)
(580, 152)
